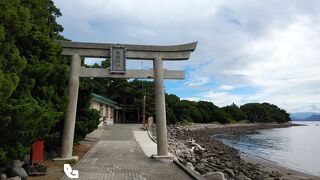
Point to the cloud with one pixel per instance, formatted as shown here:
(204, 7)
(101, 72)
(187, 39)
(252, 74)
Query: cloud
(223, 98)
(226, 87)
(197, 81)
(265, 45)
(283, 63)
(218, 98)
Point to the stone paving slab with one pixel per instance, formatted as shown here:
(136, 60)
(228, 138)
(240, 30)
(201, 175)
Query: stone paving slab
(121, 159)
(119, 132)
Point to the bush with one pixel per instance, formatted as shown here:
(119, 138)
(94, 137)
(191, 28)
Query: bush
(87, 121)
(23, 122)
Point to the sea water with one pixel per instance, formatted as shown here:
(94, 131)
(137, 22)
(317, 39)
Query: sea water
(296, 147)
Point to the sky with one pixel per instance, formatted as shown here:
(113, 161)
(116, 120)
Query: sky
(248, 50)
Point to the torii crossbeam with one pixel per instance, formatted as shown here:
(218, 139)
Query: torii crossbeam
(119, 53)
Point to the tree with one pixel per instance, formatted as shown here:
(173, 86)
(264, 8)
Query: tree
(265, 112)
(183, 111)
(213, 113)
(172, 102)
(32, 74)
(235, 112)
(87, 118)
(254, 112)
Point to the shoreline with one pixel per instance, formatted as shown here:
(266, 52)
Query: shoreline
(270, 166)
(219, 157)
(238, 127)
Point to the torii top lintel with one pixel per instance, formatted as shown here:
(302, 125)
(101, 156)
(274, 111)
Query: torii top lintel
(146, 52)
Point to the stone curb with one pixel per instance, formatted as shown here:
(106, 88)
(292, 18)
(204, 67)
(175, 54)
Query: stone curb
(189, 171)
(192, 173)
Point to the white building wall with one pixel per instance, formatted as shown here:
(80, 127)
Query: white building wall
(109, 119)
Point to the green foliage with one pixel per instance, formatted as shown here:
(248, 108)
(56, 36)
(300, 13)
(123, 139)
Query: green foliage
(3, 154)
(87, 119)
(235, 112)
(24, 121)
(187, 111)
(265, 112)
(212, 113)
(32, 74)
(172, 102)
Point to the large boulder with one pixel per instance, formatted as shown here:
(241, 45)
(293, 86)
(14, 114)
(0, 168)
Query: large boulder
(14, 178)
(17, 171)
(3, 176)
(26, 159)
(13, 163)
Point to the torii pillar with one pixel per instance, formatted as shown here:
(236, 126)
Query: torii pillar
(162, 142)
(119, 53)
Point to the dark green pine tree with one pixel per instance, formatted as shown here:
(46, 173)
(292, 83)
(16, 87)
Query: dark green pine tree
(33, 76)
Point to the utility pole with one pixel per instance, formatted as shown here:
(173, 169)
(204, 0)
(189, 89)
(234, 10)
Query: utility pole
(144, 110)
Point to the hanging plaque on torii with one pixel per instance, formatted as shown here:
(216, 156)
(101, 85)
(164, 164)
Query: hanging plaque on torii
(119, 53)
(118, 59)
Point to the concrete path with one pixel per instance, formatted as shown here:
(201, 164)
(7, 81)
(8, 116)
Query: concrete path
(121, 153)
(148, 146)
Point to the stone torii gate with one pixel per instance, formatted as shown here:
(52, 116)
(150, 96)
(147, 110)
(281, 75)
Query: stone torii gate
(118, 54)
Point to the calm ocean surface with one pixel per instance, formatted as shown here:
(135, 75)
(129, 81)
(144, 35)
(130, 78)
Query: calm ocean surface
(294, 147)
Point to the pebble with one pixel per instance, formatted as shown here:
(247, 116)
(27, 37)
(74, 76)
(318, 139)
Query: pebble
(229, 165)
(214, 176)
(204, 160)
(242, 177)
(200, 169)
(258, 177)
(229, 172)
(189, 165)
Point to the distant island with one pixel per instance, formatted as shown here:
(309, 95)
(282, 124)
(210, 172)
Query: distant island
(305, 116)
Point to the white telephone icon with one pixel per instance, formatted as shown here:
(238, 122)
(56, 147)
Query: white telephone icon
(69, 172)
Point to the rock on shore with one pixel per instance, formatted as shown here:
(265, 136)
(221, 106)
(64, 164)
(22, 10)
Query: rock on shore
(206, 155)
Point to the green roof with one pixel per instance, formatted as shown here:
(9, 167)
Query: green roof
(105, 100)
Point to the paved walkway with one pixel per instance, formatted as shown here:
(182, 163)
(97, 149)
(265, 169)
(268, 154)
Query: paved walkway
(118, 155)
